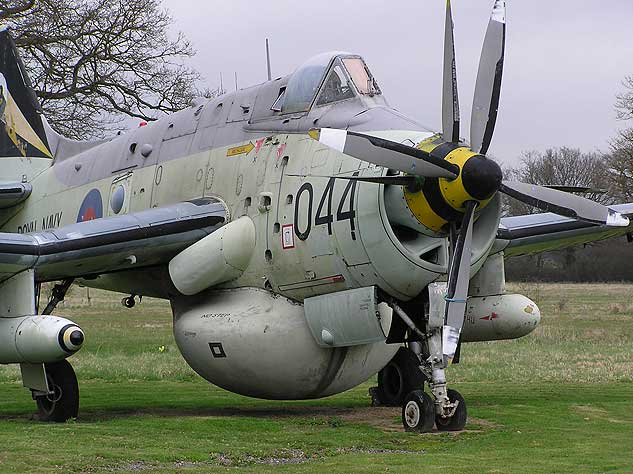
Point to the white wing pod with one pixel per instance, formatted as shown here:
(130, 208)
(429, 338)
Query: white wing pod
(219, 257)
(38, 339)
(507, 316)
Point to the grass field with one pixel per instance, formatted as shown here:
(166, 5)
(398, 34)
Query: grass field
(556, 401)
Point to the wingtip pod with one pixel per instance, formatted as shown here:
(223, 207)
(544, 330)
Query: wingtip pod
(615, 219)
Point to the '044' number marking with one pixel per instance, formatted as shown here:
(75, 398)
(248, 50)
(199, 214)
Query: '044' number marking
(324, 214)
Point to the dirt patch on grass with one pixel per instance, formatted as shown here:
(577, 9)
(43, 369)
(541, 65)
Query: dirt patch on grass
(387, 419)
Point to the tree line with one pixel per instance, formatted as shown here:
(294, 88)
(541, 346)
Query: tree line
(610, 177)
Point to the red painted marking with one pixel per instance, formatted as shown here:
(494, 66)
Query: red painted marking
(259, 144)
(280, 150)
(89, 215)
(490, 317)
(338, 278)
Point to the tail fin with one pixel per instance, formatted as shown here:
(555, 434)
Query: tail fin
(22, 130)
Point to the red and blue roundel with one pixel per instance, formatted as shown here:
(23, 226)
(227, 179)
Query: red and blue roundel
(92, 207)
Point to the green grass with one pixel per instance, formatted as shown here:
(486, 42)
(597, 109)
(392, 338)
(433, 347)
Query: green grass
(557, 401)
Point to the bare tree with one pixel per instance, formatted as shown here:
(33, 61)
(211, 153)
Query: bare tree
(624, 100)
(93, 62)
(11, 8)
(560, 166)
(620, 159)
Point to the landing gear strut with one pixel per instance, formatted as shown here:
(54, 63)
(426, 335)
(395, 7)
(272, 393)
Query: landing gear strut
(446, 409)
(62, 403)
(62, 400)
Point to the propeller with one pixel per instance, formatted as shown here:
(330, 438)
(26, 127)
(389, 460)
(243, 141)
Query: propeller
(458, 279)
(563, 203)
(387, 153)
(488, 83)
(450, 100)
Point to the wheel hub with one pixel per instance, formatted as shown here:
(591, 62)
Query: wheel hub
(412, 414)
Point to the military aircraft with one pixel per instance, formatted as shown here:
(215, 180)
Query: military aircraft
(299, 229)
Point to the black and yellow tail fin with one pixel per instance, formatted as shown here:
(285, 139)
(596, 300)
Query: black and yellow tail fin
(22, 131)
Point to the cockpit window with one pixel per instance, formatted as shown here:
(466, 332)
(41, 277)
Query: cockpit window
(279, 103)
(363, 80)
(336, 87)
(303, 85)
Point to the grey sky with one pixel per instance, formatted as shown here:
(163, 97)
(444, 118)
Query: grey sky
(565, 59)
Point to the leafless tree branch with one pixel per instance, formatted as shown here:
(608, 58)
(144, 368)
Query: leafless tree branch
(93, 62)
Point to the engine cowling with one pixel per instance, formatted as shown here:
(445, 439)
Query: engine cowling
(38, 339)
(258, 344)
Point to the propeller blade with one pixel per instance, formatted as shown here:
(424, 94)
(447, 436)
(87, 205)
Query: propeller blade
(564, 204)
(458, 279)
(450, 100)
(387, 180)
(387, 153)
(488, 85)
(576, 189)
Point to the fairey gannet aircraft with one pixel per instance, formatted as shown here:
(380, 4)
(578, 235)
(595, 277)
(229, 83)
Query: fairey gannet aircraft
(297, 227)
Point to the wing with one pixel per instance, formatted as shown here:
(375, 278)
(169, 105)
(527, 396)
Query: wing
(534, 233)
(112, 244)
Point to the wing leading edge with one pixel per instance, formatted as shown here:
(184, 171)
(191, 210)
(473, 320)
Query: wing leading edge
(107, 245)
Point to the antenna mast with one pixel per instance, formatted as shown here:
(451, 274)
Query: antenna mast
(270, 76)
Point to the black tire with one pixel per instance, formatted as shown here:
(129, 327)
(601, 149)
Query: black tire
(457, 422)
(399, 377)
(418, 412)
(63, 404)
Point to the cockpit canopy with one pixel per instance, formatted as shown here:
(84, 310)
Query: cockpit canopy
(325, 79)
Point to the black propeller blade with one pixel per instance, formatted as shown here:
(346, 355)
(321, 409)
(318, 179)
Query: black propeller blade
(387, 153)
(458, 280)
(450, 100)
(488, 85)
(564, 204)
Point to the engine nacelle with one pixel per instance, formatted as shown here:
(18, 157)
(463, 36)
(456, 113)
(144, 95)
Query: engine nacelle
(507, 316)
(258, 344)
(38, 339)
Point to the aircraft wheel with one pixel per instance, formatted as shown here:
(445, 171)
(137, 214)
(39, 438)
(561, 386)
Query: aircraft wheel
(63, 403)
(128, 302)
(458, 420)
(399, 377)
(418, 412)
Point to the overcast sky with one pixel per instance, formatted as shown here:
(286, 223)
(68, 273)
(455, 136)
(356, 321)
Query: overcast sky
(565, 59)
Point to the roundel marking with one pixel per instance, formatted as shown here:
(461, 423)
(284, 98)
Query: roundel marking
(91, 207)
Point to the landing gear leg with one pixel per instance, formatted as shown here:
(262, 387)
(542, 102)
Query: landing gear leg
(62, 403)
(57, 295)
(62, 400)
(449, 408)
